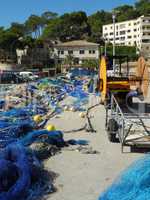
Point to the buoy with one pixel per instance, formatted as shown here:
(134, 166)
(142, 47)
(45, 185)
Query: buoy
(66, 108)
(82, 115)
(51, 127)
(72, 109)
(84, 87)
(37, 118)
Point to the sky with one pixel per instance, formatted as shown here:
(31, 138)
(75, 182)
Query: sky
(20, 10)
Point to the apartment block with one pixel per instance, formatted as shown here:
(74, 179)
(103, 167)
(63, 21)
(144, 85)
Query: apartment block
(131, 33)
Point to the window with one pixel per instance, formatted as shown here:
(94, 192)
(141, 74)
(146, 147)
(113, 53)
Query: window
(145, 41)
(129, 36)
(62, 52)
(146, 20)
(135, 23)
(111, 33)
(122, 32)
(58, 52)
(135, 29)
(70, 52)
(129, 31)
(91, 51)
(81, 51)
(122, 26)
(122, 38)
(129, 24)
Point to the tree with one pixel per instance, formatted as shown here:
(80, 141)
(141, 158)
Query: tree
(53, 30)
(96, 21)
(91, 63)
(18, 29)
(48, 16)
(129, 51)
(70, 26)
(69, 61)
(125, 12)
(143, 7)
(34, 25)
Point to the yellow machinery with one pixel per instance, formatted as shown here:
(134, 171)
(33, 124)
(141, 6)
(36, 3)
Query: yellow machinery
(118, 90)
(122, 82)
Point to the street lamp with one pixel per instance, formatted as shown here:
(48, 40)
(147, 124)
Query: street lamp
(114, 18)
(106, 40)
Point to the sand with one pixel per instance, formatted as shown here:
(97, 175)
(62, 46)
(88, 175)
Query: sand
(86, 176)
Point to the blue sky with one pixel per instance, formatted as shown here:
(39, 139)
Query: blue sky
(20, 10)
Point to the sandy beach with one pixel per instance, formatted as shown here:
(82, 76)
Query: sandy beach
(84, 176)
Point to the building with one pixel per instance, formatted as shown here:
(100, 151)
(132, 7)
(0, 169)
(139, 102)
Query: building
(131, 33)
(79, 50)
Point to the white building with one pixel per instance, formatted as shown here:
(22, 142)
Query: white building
(131, 33)
(79, 49)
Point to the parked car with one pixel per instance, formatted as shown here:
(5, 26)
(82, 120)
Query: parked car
(28, 76)
(10, 77)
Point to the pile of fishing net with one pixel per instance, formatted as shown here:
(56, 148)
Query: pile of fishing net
(21, 173)
(134, 183)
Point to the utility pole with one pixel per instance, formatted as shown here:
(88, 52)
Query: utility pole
(114, 38)
(105, 42)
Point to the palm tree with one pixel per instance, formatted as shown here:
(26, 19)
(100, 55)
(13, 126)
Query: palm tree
(69, 61)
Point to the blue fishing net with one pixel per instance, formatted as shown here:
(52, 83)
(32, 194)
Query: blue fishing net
(2, 103)
(16, 112)
(10, 130)
(14, 164)
(82, 72)
(52, 137)
(133, 184)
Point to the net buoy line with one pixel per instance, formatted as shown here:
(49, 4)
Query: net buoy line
(88, 125)
(46, 118)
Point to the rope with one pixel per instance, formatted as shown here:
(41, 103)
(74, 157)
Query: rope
(88, 125)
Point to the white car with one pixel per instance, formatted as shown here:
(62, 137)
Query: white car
(29, 75)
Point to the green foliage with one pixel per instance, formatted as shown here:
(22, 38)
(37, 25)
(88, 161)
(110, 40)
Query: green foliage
(96, 21)
(48, 16)
(17, 29)
(91, 63)
(69, 26)
(120, 51)
(143, 7)
(125, 12)
(69, 60)
(34, 25)
(53, 30)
